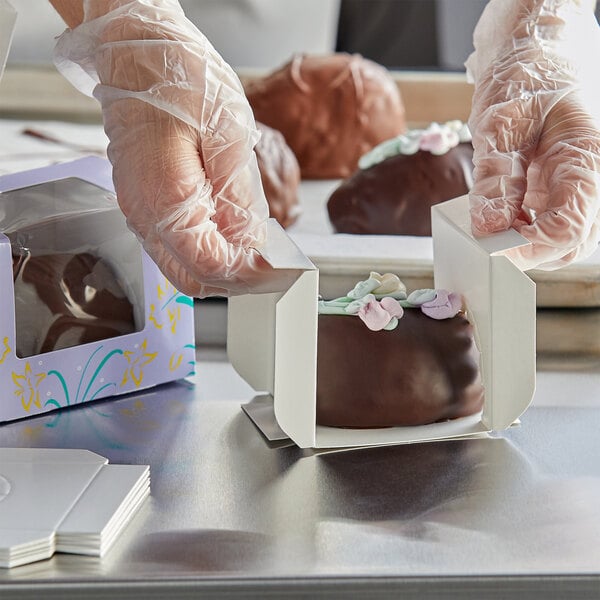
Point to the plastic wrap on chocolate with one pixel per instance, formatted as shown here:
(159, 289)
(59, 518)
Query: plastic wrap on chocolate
(331, 110)
(63, 300)
(280, 175)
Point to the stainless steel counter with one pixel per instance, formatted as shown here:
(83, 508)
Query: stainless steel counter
(231, 517)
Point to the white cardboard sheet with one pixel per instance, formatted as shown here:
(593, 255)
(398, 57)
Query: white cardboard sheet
(58, 500)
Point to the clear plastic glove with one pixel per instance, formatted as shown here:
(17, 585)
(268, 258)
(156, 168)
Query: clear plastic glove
(181, 143)
(536, 127)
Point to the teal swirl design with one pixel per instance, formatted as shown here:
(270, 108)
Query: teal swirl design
(87, 394)
(192, 363)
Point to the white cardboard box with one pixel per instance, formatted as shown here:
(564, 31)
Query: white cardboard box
(272, 338)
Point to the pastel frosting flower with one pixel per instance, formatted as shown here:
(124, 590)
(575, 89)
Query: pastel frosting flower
(381, 315)
(392, 306)
(362, 288)
(445, 305)
(387, 284)
(354, 307)
(379, 301)
(418, 297)
(437, 139)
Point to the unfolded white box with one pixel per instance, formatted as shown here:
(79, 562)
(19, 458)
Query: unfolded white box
(272, 338)
(64, 500)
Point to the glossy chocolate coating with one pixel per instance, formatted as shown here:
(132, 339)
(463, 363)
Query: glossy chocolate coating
(331, 110)
(395, 196)
(421, 372)
(279, 173)
(64, 300)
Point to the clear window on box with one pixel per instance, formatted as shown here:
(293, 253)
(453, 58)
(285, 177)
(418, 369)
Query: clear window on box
(77, 269)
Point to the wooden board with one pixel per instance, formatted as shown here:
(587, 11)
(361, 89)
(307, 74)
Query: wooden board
(43, 93)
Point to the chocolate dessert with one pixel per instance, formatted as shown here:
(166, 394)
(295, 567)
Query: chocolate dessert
(394, 195)
(280, 175)
(64, 299)
(419, 368)
(330, 109)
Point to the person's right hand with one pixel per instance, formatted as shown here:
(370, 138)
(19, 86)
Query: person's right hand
(181, 143)
(535, 122)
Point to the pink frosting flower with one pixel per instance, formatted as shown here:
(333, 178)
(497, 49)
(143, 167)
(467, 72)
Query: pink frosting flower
(438, 140)
(432, 141)
(444, 306)
(392, 306)
(374, 316)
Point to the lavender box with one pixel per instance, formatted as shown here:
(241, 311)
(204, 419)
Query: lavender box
(160, 347)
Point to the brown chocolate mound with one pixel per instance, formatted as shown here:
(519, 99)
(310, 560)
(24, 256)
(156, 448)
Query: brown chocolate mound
(64, 300)
(280, 175)
(423, 371)
(330, 109)
(395, 196)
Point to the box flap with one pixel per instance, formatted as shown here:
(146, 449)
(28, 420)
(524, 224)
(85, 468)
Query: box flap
(261, 412)
(280, 360)
(281, 252)
(92, 169)
(296, 359)
(500, 302)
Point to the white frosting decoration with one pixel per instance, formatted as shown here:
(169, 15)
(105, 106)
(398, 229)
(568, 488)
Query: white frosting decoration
(437, 139)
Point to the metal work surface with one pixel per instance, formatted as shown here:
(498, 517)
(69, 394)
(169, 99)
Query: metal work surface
(231, 517)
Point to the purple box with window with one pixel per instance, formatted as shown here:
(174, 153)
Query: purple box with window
(86, 314)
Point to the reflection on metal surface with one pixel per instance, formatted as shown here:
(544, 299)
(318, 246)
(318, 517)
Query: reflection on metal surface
(204, 551)
(4, 488)
(225, 504)
(460, 508)
(122, 425)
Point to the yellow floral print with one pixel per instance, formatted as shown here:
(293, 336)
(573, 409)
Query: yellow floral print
(166, 289)
(6, 350)
(136, 362)
(27, 387)
(175, 361)
(174, 317)
(152, 317)
(166, 293)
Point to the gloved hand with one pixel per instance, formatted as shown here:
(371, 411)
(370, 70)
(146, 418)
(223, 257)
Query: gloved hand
(181, 143)
(536, 127)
